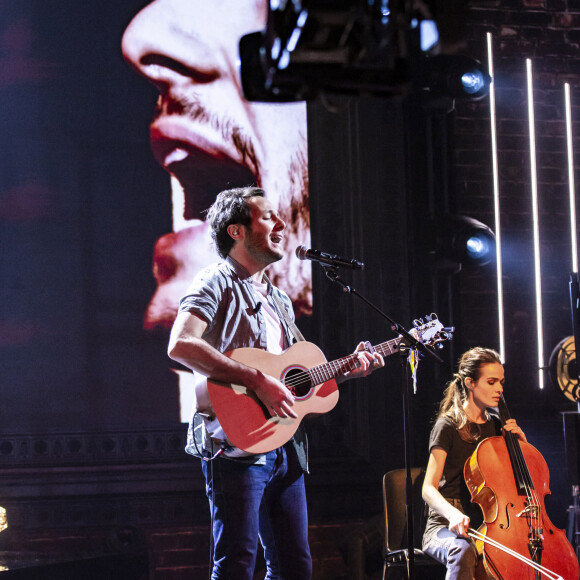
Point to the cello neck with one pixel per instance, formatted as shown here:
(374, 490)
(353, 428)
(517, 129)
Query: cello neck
(522, 475)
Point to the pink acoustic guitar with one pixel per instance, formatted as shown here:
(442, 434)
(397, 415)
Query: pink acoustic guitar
(305, 371)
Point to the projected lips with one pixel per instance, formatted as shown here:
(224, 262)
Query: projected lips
(201, 160)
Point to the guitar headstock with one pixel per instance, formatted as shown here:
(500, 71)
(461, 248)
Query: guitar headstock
(430, 331)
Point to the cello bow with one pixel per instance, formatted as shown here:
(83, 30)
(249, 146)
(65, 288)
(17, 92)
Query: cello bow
(549, 575)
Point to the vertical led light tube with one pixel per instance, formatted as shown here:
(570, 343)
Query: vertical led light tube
(570, 147)
(496, 208)
(535, 220)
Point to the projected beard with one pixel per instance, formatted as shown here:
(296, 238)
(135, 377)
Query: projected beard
(209, 139)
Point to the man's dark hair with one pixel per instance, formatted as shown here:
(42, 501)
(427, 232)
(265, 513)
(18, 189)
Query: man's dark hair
(230, 207)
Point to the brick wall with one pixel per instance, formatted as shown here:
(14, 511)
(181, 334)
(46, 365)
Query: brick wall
(549, 34)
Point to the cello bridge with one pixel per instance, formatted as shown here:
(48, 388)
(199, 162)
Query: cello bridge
(530, 510)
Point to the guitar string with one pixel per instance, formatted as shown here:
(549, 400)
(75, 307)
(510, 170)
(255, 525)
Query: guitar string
(304, 377)
(318, 375)
(339, 365)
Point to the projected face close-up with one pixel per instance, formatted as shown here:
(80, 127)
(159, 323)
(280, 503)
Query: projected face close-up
(209, 138)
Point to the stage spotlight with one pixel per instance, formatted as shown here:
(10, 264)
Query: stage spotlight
(477, 247)
(464, 240)
(454, 76)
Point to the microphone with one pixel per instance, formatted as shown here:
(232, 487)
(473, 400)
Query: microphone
(304, 254)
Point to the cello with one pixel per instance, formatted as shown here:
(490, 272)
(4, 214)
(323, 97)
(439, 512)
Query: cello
(517, 539)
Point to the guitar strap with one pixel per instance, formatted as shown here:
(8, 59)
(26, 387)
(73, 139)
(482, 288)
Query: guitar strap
(291, 325)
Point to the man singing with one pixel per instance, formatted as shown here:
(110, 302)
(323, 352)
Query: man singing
(232, 304)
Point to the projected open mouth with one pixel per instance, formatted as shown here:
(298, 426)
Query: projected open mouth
(202, 161)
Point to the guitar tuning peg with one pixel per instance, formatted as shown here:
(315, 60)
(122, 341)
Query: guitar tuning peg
(428, 318)
(434, 316)
(417, 322)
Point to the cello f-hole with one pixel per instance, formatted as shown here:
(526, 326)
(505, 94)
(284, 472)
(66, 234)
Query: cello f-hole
(507, 517)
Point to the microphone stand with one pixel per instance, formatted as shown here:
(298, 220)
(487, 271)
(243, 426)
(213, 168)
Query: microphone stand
(411, 343)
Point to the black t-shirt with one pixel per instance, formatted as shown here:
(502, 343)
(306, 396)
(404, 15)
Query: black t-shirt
(445, 435)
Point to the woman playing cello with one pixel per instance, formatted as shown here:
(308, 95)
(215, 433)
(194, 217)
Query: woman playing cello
(464, 419)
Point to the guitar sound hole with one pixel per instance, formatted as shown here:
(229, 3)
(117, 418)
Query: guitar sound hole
(298, 382)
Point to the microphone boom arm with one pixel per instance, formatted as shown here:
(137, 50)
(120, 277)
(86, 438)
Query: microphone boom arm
(302, 253)
(332, 274)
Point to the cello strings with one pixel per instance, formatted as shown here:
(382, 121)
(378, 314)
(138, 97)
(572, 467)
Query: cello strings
(524, 478)
(522, 473)
(476, 535)
(533, 498)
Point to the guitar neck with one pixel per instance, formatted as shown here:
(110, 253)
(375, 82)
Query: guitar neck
(342, 366)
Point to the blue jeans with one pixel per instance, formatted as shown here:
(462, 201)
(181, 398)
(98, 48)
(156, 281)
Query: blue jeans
(265, 502)
(457, 553)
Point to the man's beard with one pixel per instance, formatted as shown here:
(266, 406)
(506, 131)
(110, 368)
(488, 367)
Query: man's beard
(258, 248)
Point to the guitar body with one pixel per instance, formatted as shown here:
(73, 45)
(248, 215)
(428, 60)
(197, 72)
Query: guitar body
(244, 419)
(303, 369)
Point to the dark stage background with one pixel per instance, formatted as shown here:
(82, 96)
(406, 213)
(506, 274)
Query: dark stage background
(90, 437)
(82, 204)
